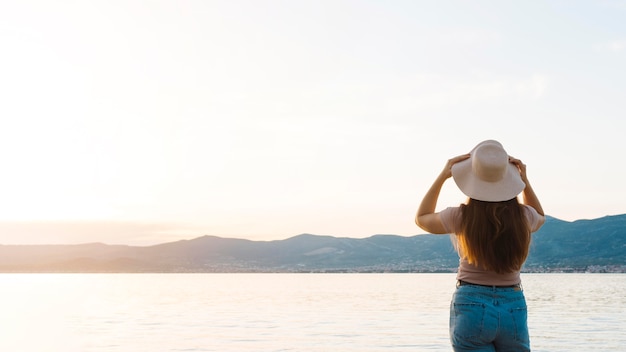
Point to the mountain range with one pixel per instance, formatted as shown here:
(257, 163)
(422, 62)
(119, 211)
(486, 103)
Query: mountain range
(597, 245)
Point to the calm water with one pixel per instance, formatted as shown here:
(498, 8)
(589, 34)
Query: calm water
(287, 312)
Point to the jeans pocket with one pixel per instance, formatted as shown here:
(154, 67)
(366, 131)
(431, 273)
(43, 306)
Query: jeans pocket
(519, 317)
(467, 321)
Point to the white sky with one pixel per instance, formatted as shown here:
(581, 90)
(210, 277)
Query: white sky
(140, 122)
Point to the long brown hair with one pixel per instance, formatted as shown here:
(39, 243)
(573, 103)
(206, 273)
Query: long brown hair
(494, 235)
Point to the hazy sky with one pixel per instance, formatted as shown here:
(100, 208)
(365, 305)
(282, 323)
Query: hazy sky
(140, 122)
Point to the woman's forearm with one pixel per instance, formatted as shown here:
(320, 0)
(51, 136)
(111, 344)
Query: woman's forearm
(530, 198)
(429, 202)
(426, 218)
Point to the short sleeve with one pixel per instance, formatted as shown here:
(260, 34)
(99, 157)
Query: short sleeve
(534, 219)
(451, 219)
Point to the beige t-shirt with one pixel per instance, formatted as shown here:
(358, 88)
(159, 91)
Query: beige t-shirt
(451, 219)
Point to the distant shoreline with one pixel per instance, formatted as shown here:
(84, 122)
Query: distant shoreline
(595, 270)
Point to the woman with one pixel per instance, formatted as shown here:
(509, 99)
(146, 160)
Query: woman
(492, 236)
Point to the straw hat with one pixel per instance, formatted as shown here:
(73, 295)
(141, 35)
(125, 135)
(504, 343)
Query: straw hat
(488, 175)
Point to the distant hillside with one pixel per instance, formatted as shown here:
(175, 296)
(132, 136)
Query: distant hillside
(580, 244)
(583, 245)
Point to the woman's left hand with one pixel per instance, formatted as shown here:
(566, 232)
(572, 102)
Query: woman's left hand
(447, 171)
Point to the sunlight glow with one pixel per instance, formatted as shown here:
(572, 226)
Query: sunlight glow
(249, 119)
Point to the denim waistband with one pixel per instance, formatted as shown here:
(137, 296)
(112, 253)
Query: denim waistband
(516, 287)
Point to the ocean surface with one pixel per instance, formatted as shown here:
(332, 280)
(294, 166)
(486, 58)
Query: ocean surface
(287, 312)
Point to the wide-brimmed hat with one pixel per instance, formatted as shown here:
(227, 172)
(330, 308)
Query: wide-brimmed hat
(487, 174)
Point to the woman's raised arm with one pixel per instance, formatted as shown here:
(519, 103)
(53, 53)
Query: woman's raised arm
(426, 218)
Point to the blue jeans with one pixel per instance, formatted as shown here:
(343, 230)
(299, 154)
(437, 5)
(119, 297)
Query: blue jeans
(489, 319)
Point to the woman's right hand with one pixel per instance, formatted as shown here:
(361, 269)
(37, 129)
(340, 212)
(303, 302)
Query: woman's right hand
(521, 167)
